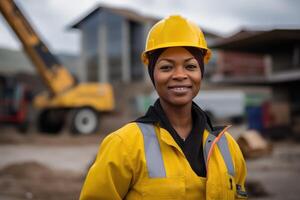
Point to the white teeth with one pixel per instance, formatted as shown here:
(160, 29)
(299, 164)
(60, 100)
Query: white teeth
(179, 88)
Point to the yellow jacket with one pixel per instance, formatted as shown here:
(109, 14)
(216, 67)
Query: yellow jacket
(120, 170)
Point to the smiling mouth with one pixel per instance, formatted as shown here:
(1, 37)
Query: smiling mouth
(180, 88)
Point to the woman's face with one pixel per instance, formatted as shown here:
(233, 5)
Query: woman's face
(177, 76)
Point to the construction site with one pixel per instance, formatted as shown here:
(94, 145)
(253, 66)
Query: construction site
(56, 108)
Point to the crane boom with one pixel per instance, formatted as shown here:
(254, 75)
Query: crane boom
(56, 77)
(64, 99)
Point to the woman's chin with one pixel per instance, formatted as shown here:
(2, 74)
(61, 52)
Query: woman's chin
(178, 102)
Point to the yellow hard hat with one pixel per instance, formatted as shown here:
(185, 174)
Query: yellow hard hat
(175, 31)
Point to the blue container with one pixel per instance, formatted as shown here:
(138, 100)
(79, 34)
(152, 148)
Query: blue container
(255, 117)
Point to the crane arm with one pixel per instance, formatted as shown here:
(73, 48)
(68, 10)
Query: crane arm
(56, 77)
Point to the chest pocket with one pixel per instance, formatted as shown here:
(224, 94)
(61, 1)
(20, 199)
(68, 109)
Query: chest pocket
(157, 185)
(163, 188)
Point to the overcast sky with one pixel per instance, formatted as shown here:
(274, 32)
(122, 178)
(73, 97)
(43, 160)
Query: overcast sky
(52, 17)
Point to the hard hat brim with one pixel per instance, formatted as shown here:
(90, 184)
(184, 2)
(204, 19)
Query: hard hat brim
(145, 59)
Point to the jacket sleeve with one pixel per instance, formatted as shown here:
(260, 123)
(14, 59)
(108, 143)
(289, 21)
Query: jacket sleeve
(240, 168)
(111, 174)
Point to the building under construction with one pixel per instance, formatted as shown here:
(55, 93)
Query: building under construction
(265, 58)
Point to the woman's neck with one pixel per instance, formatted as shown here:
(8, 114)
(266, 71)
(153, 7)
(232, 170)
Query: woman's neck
(180, 118)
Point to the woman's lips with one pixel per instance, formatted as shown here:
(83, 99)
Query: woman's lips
(179, 89)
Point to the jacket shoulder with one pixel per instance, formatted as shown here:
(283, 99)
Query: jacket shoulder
(231, 141)
(233, 146)
(128, 131)
(129, 134)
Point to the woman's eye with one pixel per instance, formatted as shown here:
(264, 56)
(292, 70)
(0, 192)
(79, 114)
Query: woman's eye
(191, 67)
(166, 67)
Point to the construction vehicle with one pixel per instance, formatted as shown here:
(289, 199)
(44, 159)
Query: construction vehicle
(14, 103)
(66, 101)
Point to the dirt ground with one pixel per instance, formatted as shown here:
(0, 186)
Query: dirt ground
(43, 167)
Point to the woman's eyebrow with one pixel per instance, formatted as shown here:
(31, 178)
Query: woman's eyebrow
(188, 59)
(165, 59)
(172, 61)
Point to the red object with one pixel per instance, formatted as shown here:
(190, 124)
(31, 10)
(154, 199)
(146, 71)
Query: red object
(13, 101)
(266, 115)
(17, 117)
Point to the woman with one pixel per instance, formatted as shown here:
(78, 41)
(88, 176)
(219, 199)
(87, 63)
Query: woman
(173, 152)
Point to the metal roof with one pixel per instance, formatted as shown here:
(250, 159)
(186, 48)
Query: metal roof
(125, 12)
(258, 41)
(130, 14)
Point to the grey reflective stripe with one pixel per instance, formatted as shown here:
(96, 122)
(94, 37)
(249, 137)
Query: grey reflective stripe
(207, 146)
(223, 146)
(224, 149)
(154, 161)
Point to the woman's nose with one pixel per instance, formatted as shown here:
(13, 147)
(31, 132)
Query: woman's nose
(179, 73)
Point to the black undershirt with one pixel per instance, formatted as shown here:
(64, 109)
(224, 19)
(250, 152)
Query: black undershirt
(192, 146)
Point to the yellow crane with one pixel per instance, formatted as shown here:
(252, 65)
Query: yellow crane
(65, 100)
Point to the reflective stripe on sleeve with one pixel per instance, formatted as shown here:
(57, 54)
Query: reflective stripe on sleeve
(223, 146)
(154, 161)
(224, 150)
